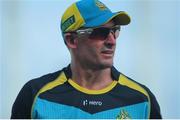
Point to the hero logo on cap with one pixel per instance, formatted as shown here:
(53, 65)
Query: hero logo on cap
(68, 22)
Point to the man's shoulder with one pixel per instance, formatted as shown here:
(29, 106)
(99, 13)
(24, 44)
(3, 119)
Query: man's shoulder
(122, 78)
(133, 84)
(126, 78)
(43, 80)
(34, 85)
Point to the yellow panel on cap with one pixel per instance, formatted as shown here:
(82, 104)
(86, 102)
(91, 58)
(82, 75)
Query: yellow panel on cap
(73, 11)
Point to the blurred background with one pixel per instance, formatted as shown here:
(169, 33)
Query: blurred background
(148, 50)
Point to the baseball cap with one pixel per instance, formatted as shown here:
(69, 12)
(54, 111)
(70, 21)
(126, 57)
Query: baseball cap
(90, 14)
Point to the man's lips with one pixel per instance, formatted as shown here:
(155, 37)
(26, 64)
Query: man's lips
(107, 52)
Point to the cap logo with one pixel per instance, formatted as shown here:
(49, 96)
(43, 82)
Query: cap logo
(100, 5)
(68, 23)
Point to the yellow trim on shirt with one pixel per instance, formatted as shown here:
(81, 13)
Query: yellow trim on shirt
(95, 92)
(125, 81)
(60, 80)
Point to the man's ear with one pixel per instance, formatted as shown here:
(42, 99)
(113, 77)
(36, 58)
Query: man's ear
(70, 40)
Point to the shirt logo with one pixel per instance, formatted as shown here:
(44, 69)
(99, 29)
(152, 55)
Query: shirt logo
(92, 103)
(85, 102)
(123, 115)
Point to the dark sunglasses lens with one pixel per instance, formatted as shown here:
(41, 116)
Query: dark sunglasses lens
(100, 33)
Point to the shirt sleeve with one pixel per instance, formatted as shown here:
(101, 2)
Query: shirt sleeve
(23, 103)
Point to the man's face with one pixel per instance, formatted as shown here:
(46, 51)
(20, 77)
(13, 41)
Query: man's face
(96, 52)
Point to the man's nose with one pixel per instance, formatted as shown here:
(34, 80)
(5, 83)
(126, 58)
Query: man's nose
(111, 40)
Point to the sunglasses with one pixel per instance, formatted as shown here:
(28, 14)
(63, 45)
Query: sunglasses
(100, 32)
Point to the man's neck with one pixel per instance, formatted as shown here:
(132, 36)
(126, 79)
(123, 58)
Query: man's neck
(91, 79)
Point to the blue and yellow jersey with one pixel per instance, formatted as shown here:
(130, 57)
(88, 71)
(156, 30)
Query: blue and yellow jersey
(56, 96)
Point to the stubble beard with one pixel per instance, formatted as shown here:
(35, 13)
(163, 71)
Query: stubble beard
(98, 65)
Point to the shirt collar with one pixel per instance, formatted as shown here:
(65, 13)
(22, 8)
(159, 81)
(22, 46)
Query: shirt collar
(114, 72)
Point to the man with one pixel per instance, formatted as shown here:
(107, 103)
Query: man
(90, 87)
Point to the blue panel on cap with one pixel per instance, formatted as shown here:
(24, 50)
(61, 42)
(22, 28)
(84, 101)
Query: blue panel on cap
(93, 14)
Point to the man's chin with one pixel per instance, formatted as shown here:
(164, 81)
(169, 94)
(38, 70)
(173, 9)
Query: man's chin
(105, 65)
